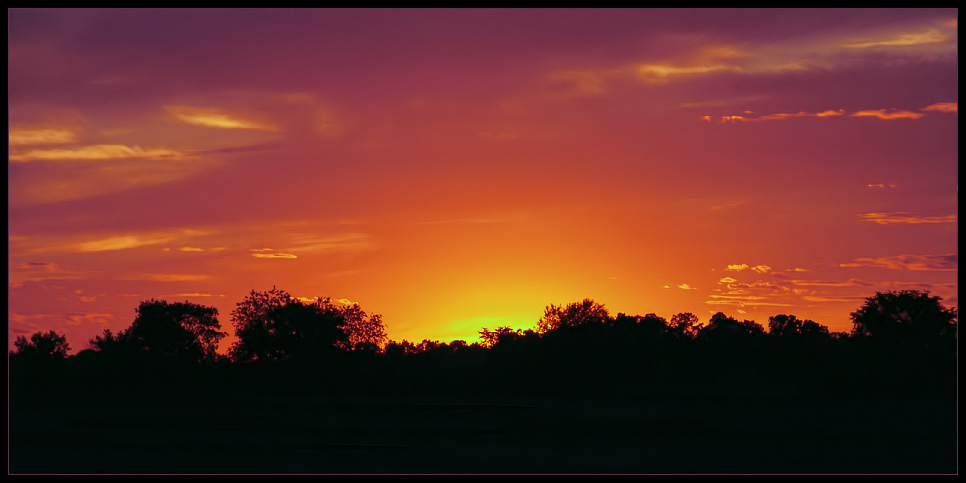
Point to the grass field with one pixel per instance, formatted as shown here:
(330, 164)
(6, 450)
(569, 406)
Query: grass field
(316, 434)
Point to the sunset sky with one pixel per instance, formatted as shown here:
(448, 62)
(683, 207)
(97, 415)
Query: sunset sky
(459, 169)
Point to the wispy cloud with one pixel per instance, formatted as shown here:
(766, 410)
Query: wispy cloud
(822, 298)
(744, 266)
(344, 242)
(748, 116)
(217, 118)
(661, 73)
(270, 253)
(20, 273)
(192, 294)
(125, 242)
(942, 107)
(904, 217)
(941, 263)
(21, 136)
(685, 286)
(169, 277)
(788, 115)
(95, 152)
(81, 318)
(832, 283)
(931, 36)
(888, 114)
(101, 243)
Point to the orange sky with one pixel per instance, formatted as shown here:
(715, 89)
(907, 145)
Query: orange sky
(459, 169)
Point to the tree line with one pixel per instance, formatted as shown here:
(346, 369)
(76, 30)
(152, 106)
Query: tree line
(900, 341)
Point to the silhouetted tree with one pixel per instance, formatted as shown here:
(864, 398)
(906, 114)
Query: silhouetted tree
(504, 334)
(106, 342)
(790, 326)
(685, 325)
(365, 332)
(907, 317)
(180, 330)
(253, 325)
(586, 312)
(274, 326)
(724, 328)
(397, 349)
(42, 346)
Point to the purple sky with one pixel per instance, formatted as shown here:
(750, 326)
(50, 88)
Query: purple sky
(459, 169)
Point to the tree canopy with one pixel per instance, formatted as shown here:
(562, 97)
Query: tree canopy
(906, 317)
(42, 345)
(275, 326)
(585, 312)
(175, 330)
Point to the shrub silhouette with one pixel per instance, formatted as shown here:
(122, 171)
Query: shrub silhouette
(42, 346)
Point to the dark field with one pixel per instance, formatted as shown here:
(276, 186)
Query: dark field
(640, 434)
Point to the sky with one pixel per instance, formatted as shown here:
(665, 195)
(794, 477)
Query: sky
(460, 169)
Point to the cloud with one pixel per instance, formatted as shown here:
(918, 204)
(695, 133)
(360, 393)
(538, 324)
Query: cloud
(20, 136)
(77, 318)
(270, 253)
(685, 286)
(661, 73)
(125, 242)
(95, 152)
(737, 268)
(170, 277)
(888, 114)
(788, 115)
(942, 107)
(37, 267)
(939, 263)
(904, 217)
(742, 303)
(216, 118)
(881, 185)
(832, 283)
(727, 280)
(274, 255)
(737, 297)
(819, 298)
(344, 242)
(20, 273)
(931, 36)
(191, 249)
(760, 268)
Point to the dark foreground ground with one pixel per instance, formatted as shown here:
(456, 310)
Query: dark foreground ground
(375, 434)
